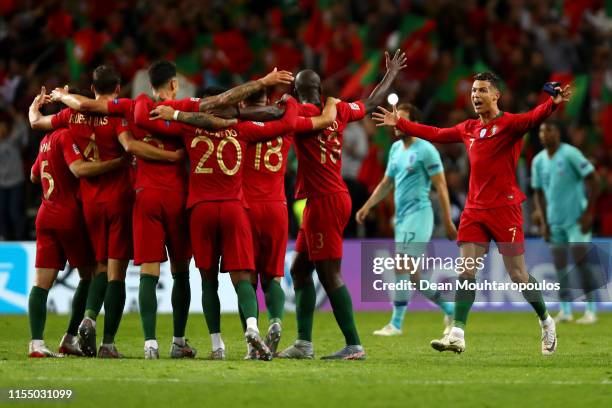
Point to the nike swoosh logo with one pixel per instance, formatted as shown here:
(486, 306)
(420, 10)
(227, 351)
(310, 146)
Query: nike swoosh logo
(551, 348)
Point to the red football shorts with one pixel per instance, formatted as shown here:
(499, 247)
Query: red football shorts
(55, 245)
(504, 225)
(269, 227)
(221, 229)
(110, 228)
(325, 218)
(160, 222)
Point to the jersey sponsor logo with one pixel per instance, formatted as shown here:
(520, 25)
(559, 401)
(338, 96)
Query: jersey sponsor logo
(354, 106)
(483, 133)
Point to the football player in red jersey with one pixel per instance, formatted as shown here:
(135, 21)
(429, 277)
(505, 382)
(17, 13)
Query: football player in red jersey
(328, 208)
(264, 189)
(61, 233)
(107, 204)
(218, 214)
(493, 207)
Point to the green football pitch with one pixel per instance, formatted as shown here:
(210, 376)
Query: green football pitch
(501, 367)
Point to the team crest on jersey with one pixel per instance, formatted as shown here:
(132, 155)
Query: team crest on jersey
(354, 106)
(483, 133)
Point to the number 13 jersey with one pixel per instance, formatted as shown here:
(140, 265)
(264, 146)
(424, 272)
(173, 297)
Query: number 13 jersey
(319, 153)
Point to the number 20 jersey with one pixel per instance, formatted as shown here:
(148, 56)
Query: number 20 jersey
(319, 153)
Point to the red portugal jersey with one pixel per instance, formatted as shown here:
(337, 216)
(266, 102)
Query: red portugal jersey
(493, 150)
(319, 153)
(217, 157)
(97, 138)
(60, 188)
(152, 173)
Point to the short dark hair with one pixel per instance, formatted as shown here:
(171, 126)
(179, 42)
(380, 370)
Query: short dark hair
(413, 111)
(161, 72)
(106, 79)
(489, 77)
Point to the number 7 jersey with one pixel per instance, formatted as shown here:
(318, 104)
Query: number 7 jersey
(319, 153)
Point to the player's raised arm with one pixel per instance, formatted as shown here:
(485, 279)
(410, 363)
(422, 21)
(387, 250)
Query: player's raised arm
(243, 91)
(522, 122)
(38, 121)
(431, 133)
(394, 66)
(198, 119)
(147, 151)
(79, 102)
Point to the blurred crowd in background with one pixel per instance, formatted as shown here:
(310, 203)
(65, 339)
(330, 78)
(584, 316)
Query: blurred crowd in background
(223, 43)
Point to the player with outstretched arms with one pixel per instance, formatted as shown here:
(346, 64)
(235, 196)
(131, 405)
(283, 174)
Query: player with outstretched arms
(561, 178)
(493, 207)
(61, 234)
(328, 208)
(413, 166)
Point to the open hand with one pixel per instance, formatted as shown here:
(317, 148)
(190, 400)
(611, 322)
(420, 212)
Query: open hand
(386, 118)
(564, 94)
(41, 99)
(277, 78)
(397, 63)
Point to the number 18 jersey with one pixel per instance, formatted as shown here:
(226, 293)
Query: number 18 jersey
(319, 153)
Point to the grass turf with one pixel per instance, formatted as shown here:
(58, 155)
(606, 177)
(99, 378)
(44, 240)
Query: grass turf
(501, 367)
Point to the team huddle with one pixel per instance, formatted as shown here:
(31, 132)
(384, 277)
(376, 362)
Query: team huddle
(228, 210)
(116, 187)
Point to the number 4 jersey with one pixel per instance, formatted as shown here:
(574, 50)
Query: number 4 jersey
(320, 154)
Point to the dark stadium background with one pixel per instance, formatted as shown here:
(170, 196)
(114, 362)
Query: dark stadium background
(53, 42)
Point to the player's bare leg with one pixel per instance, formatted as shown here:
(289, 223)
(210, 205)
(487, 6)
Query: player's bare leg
(181, 301)
(147, 303)
(340, 299)
(464, 299)
(559, 255)
(275, 303)
(516, 268)
(305, 302)
(212, 310)
(37, 312)
(114, 303)
(70, 343)
(587, 280)
(95, 299)
(247, 302)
